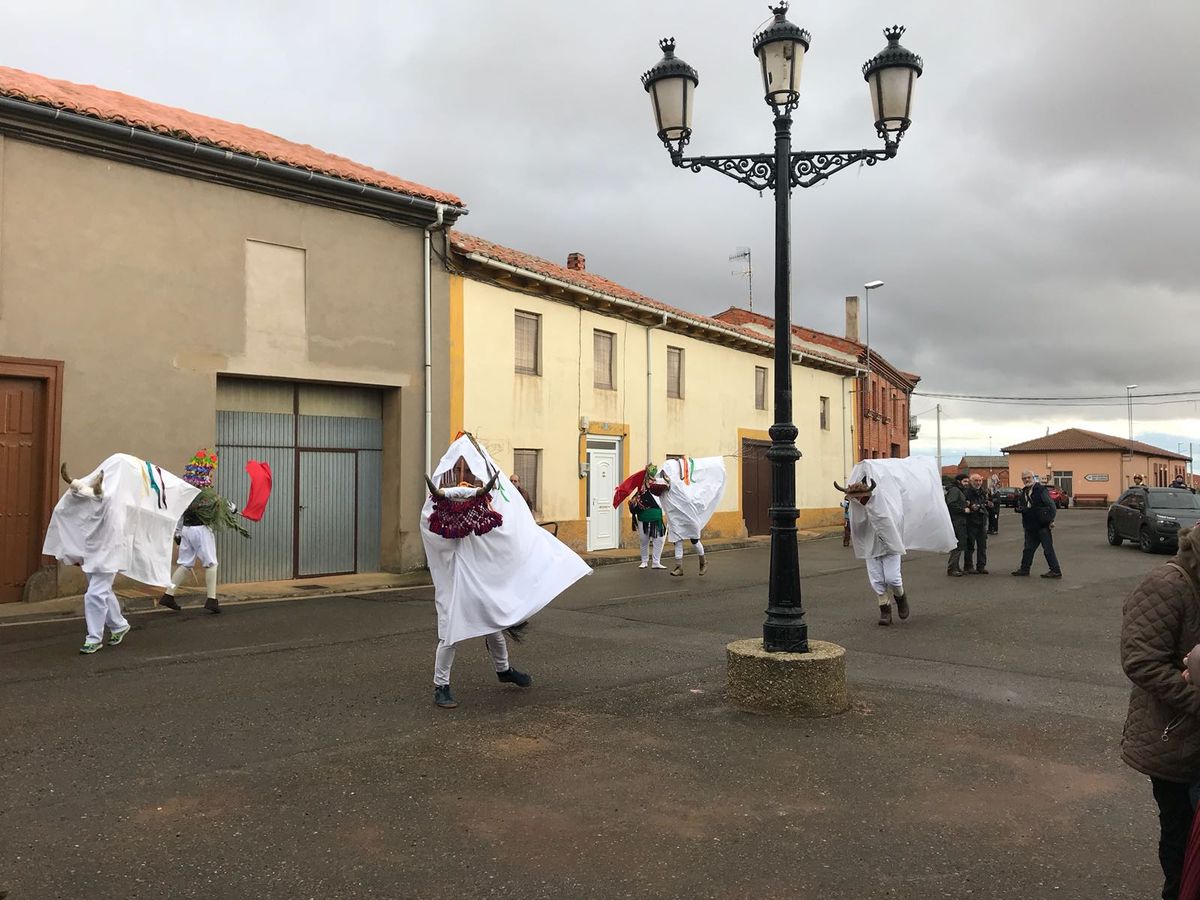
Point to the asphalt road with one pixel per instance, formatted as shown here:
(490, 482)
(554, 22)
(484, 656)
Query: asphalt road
(291, 749)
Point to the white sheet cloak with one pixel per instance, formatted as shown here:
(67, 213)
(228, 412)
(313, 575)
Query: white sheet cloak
(906, 512)
(690, 506)
(127, 530)
(485, 583)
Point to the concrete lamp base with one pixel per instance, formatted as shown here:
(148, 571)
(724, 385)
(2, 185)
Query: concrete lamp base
(809, 684)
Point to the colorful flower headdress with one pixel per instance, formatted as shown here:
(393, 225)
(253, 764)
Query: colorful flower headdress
(199, 471)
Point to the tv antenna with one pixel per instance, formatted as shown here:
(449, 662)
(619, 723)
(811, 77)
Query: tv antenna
(746, 271)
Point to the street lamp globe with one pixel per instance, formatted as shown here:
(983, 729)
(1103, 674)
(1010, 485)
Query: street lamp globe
(892, 75)
(780, 48)
(671, 84)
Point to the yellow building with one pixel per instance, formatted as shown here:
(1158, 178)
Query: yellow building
(574, 381)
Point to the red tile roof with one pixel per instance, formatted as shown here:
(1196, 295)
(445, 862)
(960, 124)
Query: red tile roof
(739, 316)
(466, 244)
(1072, 439)
(112, 106)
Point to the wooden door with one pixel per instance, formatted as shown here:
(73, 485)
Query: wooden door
(756, 486)
(22, 481)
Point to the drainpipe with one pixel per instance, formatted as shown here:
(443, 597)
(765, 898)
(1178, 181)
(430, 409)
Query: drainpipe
(650, 387)
(437, 225)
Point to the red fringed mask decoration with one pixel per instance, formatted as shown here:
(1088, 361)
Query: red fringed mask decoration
(458, 517)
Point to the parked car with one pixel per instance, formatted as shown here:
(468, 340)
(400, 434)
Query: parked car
(1061, 500)
(1006, 496)
(1152, 517)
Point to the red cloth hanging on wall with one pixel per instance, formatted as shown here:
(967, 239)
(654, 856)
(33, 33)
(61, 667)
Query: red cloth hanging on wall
(260, 490)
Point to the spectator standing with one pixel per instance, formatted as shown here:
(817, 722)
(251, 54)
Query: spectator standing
(1161, 738)
(956, 502)
(978, 504)
(516, 482)
(1037, 519)
(1179, 482)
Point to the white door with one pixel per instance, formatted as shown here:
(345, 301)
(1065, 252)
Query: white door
(603, 521)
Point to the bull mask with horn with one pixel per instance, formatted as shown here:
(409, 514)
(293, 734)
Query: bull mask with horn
(93, 490)
(859, 490)
(459, 512)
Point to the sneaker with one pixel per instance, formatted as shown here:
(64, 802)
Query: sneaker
(117, 636)
(658, 566)
(213, 605)
(902, 605)
(169, 602)
(644, 564)
(885, 614)
(1022, 572)
(703, 565)
(955, 573)
(442, 697)
(90, 647)
(981, 571)
(1052, 574)
(678, 570)
(512, 676)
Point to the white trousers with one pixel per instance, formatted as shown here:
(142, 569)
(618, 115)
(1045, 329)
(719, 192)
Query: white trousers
(679, 548)
(884, 572)
(101, 607)
(443, 660)
(196, 542)
(658, 545)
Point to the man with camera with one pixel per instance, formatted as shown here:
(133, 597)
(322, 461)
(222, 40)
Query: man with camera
(979, 504)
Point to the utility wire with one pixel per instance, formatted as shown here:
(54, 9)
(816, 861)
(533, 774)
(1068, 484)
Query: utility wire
(1122, 397)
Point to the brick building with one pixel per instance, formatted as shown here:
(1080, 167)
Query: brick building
(881, 422)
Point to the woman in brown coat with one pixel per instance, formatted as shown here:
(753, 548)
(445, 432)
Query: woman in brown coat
(1161, 623)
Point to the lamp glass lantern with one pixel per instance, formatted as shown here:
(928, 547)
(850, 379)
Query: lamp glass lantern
(780, 48)
(892, 75)
(671, 84)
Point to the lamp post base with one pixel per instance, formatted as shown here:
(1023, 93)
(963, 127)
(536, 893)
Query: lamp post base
(811, 685)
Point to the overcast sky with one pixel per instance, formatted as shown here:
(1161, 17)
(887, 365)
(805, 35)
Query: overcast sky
(1036, 232)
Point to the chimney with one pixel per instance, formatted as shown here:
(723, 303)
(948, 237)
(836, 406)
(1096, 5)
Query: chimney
(852, 319)
(576, 261)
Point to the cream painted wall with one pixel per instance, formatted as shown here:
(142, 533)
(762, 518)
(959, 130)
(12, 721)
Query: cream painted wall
(140, 281)
(1120, 471)
(507, 410)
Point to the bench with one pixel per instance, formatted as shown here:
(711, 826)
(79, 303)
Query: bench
(1100, 500)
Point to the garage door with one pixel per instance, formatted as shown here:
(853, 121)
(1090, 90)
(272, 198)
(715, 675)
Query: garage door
(325, 447)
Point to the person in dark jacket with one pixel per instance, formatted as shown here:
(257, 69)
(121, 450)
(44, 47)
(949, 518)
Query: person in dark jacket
(1161, 738)
(1037, 518)
(956, 502)
(975, 554)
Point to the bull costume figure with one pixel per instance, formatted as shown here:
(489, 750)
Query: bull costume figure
(694, 491)
(116, 520)
(492, 566)
(896, 505)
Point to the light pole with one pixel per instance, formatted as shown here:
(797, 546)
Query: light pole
(780, 48)
(1129, 402)
(870, 392)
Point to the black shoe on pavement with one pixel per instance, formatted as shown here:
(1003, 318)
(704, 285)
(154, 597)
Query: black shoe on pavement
(969, 570)
(955, 573)
(443, 698)
(169, 602)
(1052, 574)
(885, 614)
(981, 571)
(512, 676)
(902, 605)
(1022, 572)
(213, 605)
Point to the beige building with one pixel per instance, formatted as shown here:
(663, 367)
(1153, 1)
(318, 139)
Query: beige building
(575, 382)
(1087, 464)
(169, 282)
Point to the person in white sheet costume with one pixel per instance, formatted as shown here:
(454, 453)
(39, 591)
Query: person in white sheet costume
(896, 505)
(492, 566)
(695, 488)
(118, 519)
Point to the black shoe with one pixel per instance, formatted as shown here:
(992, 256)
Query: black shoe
(969, 570)
(1021, 572)
(443, 698)
(885, 614)
(213, 605)
(169, 602)
(901, 605)
(981, 571)
(955, 573)
(512, 676)
(1052, 574)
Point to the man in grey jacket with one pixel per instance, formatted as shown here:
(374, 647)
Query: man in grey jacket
(956, 503)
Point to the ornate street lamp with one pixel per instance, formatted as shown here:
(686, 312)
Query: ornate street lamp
(781, 48)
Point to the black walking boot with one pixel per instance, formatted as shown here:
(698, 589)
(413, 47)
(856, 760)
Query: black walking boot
(885, 614)
(213, 605)
(169, 602)
(902, 605)
(512, 676)
(443, 698)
